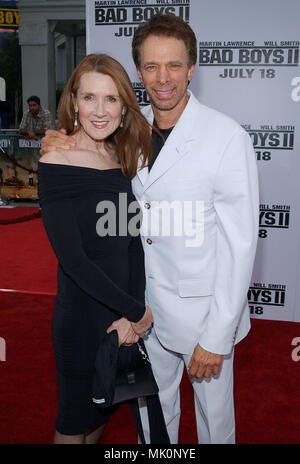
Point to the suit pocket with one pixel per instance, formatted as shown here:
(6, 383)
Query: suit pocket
(194, 287)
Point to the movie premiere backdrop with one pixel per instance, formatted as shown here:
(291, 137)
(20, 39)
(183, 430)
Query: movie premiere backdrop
(248, 68)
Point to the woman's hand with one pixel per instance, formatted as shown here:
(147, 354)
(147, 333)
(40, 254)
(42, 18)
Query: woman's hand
(57, 140)
(143, 324)
(126, 334)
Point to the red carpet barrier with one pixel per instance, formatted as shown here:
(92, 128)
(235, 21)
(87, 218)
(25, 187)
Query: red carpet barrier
(12, 218)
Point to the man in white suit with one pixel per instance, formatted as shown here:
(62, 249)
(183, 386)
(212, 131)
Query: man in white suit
(198, 261)
(197, 289)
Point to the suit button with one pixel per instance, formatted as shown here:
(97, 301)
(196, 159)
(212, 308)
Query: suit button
(149, 241)
(147, 205)
(235, 333)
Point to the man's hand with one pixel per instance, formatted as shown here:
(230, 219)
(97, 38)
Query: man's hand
(204, 364)
(31, 135)
(143, 324)
(56, 140)
(125, 332)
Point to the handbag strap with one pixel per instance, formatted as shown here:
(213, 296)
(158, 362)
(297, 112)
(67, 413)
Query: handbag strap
(144, 355)
(157, 425)
(158, 430)
(134, 405)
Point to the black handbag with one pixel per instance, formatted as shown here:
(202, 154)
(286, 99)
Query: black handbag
(125, 374)
(134, 376)
(122, 373)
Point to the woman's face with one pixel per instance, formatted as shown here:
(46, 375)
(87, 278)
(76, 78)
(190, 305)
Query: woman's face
(99, 105)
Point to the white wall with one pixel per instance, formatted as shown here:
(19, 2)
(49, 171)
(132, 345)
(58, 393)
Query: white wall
(256, 45)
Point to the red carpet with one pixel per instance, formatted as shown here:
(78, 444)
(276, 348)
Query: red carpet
(266, 378)
(28, 262)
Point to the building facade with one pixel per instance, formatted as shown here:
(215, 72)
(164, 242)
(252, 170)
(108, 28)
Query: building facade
(52, 39)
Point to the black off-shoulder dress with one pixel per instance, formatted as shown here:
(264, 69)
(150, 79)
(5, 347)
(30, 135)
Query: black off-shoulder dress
(100, 279)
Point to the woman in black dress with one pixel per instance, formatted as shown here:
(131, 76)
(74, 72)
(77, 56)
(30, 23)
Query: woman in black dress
(101, 278)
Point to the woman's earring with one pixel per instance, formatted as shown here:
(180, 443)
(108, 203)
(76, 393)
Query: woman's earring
(122, 119)
(76, 119)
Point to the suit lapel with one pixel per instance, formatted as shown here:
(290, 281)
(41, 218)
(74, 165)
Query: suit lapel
(143, 174)
(175, 147)
(169, 155)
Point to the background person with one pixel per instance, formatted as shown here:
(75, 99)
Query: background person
(36, 120)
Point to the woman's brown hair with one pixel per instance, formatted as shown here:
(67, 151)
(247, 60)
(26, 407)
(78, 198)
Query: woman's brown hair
(130, 141)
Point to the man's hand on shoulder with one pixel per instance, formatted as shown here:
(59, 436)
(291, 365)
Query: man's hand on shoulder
(204, 364)
(56, 140)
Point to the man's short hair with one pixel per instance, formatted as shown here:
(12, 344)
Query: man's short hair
(35, 99)
(166, 25)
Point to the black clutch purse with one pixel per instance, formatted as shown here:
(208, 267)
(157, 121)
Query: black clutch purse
(122, 373)
(134, 376)
(125, 374)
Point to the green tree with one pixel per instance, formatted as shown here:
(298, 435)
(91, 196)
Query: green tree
(11, 70)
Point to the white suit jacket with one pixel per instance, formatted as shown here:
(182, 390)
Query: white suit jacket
(197, 282)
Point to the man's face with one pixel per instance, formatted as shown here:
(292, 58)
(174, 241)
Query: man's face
(164, 72)
(34, 107)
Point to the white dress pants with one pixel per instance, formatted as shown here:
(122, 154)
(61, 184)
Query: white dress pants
(214, 406)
